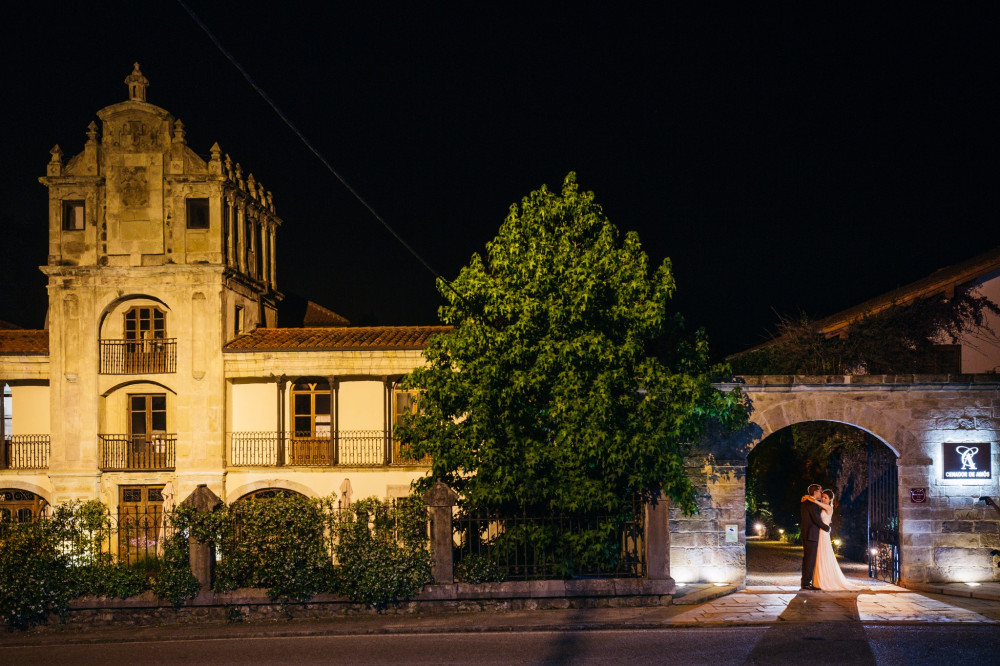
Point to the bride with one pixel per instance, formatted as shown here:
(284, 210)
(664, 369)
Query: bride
(827, 575)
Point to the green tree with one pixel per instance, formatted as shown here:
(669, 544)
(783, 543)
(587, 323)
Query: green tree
(554, 391)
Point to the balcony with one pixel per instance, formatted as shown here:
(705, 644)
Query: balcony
(138, 452)
(139, 357)
(25, 452)
(349, 448)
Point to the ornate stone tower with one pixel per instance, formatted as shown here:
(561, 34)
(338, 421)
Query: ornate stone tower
(157, 257)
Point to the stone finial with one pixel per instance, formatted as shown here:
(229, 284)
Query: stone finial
(252, 185)
(137, 84)
(270, 201)
(179, 131)
(216, 152)
(345, 493)
(202, 499)
(238, 172)
(92, 132)
(228, 164)
(261, 192)
(441, 495)
(55, 165)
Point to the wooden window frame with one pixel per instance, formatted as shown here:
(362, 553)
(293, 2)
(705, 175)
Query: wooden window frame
(155, 314)
(317, 387)
(148, 411)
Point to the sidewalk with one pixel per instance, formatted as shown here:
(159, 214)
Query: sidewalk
(700, 605)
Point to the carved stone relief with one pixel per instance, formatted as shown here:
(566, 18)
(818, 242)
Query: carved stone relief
(134, 187)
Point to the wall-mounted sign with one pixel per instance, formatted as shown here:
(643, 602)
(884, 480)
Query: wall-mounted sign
(967, 460)
(732, 536)
(918, 495)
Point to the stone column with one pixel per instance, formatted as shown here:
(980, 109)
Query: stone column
(440, 500)
(387, 420)
(3, 426)
(202, 558)
(334, 420)
(280, 456)
(229, 226)
(274, 273)
(658, 539)
(241, 238)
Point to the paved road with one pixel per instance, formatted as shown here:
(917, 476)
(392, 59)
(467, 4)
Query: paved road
(833, 643)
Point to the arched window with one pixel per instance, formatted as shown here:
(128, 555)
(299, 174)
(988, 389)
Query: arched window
(143, 348)
(268, 493)
(20, 506)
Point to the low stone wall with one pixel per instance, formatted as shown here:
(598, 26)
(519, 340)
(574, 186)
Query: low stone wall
(254, 605)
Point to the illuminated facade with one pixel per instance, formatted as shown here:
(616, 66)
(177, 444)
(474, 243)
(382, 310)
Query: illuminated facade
(162, 361)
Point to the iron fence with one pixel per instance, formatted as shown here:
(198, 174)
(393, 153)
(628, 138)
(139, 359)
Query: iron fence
(138, 452)
(523, 547)
(25, 452)
(350, 448)
(138, 357)
(136, 535)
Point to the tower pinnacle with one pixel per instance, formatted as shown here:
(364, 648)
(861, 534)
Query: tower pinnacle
(136, 83)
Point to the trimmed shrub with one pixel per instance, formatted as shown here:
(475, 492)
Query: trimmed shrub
(382, 551)
(35, 574)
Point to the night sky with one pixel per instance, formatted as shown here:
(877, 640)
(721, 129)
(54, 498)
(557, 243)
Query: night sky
(783, 161)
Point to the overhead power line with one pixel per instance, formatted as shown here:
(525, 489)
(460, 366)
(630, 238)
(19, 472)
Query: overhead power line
(312, 148)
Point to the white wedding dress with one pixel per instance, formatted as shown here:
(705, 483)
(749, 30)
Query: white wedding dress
(828, 575)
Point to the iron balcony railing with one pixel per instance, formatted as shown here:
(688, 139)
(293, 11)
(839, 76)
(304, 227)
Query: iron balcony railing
(25, 452)
(138, 357)
(138, 452)
(348, 448)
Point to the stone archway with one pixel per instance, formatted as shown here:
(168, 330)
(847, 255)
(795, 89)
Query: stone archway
(943, 537)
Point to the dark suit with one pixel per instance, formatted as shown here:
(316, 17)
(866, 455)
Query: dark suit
(812, 523)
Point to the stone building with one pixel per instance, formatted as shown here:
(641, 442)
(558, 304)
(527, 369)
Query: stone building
(162, 362)
(928, 523)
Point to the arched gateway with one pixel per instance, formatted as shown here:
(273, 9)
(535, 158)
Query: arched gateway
(928, 422)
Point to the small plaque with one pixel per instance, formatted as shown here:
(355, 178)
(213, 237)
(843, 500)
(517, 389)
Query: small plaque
(732, 534)
(918, 495)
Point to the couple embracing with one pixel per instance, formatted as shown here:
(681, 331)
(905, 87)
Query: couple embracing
(820, 570)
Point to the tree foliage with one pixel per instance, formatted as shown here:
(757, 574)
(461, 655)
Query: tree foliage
(899, 339)
(547, 393)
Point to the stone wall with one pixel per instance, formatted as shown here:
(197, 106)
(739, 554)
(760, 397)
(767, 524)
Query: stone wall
(699, 550)
(949, 537)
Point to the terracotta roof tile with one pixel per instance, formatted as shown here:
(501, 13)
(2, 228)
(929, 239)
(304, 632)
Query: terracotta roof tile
(19, 341)
(353, 338)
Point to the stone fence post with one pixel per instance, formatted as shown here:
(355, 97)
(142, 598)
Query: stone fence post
(202, 558)
(658, 539)
(440, 501)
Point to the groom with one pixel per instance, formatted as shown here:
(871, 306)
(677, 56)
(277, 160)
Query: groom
(812, 523)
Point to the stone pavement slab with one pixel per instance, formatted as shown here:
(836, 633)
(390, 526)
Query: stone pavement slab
(884, 604)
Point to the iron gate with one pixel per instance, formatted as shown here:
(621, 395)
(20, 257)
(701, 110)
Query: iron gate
(883, 512)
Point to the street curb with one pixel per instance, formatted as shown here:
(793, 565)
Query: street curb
(989, 593)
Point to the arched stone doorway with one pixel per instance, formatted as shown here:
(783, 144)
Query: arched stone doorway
(857, 468)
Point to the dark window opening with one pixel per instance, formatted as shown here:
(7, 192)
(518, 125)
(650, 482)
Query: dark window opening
(197, 213)
(73, 215)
